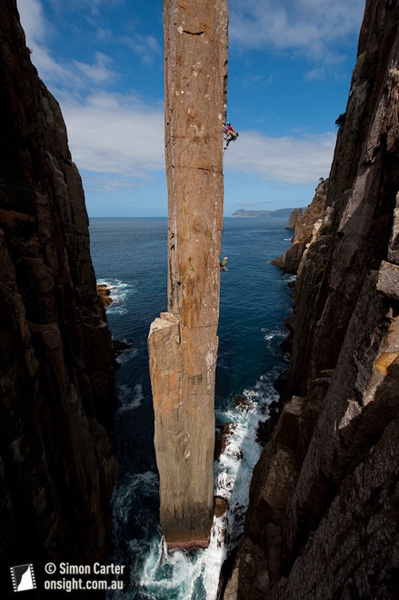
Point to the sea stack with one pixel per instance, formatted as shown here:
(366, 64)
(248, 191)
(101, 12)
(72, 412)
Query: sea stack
(183, 341)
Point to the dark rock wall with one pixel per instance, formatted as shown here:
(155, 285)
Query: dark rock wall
(56, 378)
(323, 517)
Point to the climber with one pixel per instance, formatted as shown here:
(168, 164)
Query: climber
(223, 264)
(230, 134)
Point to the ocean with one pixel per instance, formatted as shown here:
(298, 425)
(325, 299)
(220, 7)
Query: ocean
(130, 256)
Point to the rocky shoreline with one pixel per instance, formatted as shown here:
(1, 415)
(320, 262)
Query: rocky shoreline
(104, 292)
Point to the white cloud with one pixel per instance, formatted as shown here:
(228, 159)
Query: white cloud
(120, 136)
(146, 47)
(311, 27)
(91, 5)
(75, 76)
(116, 134)
(111, 134)
(318, 73)
(294, 161)
(33, 21)
(97, 73)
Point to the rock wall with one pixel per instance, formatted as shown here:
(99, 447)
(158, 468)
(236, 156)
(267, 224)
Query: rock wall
(56, 393)
(293, 218)
(323, 516)
(183, 342)
(305, 224)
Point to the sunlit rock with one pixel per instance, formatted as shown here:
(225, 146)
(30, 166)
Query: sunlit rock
(183, 342)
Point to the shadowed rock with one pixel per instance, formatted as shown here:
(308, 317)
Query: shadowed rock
(56, 368)
(323, 514)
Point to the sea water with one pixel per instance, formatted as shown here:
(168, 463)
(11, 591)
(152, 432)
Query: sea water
(130, 256)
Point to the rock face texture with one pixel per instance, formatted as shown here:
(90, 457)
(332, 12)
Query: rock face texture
(305, 224)
(56, 378)
(323, 516)
(294, 216)
(183, 342)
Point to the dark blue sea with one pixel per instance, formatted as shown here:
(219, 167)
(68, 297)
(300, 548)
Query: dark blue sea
(130, 256)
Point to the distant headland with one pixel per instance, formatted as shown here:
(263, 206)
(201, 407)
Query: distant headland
(280, 213)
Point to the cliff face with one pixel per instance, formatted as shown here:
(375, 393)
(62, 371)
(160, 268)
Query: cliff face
(183, 342)
(56, 466)
(305, 224)
(322, 521)
(293, 218)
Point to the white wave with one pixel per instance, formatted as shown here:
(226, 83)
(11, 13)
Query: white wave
(273, 333)
(125, 493)
(185, 574)
(289, 278)
(114, 309)
(119, 292)
(129, 398)
(182, 574)
(136, 547)
(123, 500)
(238, 460)
(126, 355)
(166, 573)
(273, 338)
(214, 556)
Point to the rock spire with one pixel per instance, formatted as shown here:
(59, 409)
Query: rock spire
(183, 341)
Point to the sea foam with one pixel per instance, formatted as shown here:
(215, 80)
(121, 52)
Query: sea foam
(196, 574)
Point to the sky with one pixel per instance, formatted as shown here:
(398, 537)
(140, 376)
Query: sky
(290, 66)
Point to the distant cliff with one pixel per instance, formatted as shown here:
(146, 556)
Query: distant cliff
(293, 218)
(323, 516)
(281, 213)
(57, 392)
(305, 225)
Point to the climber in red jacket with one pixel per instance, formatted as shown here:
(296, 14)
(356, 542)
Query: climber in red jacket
(230, 134)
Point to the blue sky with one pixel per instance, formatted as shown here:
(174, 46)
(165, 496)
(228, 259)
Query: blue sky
(290, 65)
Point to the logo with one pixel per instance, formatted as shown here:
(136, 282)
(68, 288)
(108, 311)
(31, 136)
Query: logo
(23, 578)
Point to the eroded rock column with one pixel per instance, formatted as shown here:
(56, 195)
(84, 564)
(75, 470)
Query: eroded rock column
(183, 341)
